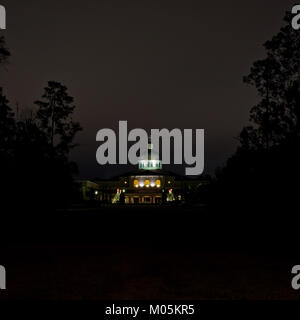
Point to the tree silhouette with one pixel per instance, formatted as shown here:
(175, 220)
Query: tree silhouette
(7, 127)
(55, 118)
(265, 166)
(4, 52)
(7, 136)
(55, 135)
(7, 122)
(34, 151)
(276, 117)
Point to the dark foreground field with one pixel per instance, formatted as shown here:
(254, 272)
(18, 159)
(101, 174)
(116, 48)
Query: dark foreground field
(142, 253)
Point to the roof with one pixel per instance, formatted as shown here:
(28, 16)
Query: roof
(158, 173)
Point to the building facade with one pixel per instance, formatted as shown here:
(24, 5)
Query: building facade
(150, 184)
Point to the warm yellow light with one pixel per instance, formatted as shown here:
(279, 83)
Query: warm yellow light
(136, 183)
(147, 183)
(158, 183)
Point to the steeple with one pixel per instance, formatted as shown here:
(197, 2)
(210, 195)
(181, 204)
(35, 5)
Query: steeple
(150, 161)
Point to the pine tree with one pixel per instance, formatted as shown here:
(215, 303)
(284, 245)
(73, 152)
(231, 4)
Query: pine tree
(4, 52)
(55, 118)
(7, 126)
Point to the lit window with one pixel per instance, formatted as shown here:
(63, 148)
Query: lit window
(136, 183)
(158, 183)
(147, 183)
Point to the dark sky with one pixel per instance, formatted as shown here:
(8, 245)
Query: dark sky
(157, 64)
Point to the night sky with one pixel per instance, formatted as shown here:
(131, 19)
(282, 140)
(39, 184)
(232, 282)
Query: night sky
(157, 64)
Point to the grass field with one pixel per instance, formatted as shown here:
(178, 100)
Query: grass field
(140, 254)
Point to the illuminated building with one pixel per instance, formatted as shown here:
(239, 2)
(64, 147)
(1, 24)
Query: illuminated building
(150, 184)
